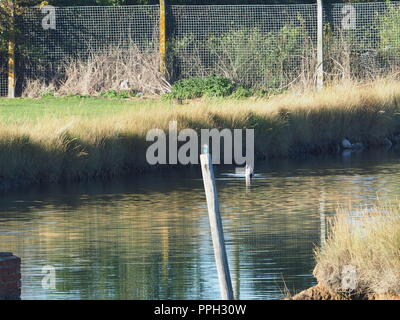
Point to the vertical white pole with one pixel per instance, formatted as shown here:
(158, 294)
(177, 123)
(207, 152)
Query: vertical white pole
(320, 45)
(11, 53)
(217, 232)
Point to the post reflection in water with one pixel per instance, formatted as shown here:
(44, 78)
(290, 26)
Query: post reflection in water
(148, 237)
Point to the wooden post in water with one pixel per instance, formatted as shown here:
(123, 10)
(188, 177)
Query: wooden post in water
(217, 232)
(10, 276)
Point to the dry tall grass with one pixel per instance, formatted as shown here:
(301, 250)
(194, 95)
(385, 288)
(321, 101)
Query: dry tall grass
(45, 149)
(35, 88)
(103, 71)
(370, 245)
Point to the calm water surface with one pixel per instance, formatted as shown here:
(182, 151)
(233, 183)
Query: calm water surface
(149, 238)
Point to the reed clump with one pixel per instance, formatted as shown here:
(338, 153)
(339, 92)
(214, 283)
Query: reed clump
(114, 68)
(57, 147)
(361, 258)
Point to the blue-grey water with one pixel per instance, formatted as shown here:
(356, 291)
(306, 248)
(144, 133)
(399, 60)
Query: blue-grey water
(148, 237)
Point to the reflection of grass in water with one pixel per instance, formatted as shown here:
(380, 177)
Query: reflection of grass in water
(113, 247)
(370, 244)
(130, 239)
(78, 139)
(158, 243)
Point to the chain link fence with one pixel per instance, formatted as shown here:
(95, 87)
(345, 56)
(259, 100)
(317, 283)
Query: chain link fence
(3, 74)
(363, 41)
(48, 41)
(259, 46)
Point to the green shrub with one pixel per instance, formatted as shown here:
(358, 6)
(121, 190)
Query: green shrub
(197, 87)
(389, 30)
(261, 93)
(252, 57)
(260, 59)
(188, 88)
(48, 93)
(241, 93)
(213, 86)
(114, 94)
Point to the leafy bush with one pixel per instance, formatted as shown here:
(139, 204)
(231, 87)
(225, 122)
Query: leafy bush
(261, 93)
(124, 94)
(197, 87)
(48, 93)
(389, 30)
(260, 59)
(252, 57)
(213, 86)
(241, 93)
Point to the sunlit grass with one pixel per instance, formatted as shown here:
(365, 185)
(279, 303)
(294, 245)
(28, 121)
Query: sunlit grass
(369, 242)
(27, 109)
(72, 138)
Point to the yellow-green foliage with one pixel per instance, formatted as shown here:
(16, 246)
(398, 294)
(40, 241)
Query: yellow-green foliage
(55, 147)
(389, 30)
(369, 243)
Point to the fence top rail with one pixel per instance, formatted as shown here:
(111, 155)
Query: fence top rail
(363, 3)
(105, 7)
(187, 6)
(243, 5)
(288, 5)
(224, 5)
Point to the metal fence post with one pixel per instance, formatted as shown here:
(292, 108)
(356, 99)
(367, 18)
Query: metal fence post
(320, 45)
(163, 37)
(11, 53)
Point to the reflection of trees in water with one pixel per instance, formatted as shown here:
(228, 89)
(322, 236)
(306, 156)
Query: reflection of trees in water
(121, 251)
(151, 239)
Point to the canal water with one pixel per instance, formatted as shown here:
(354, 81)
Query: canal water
(148, 237)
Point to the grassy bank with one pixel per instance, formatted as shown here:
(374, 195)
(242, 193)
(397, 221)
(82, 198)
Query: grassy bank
(72, 139)
(361, 258)
(369, 242)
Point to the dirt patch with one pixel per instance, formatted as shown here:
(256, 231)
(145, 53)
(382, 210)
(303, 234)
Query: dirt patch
(317, 292)
(320, 292)
(384, 297)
